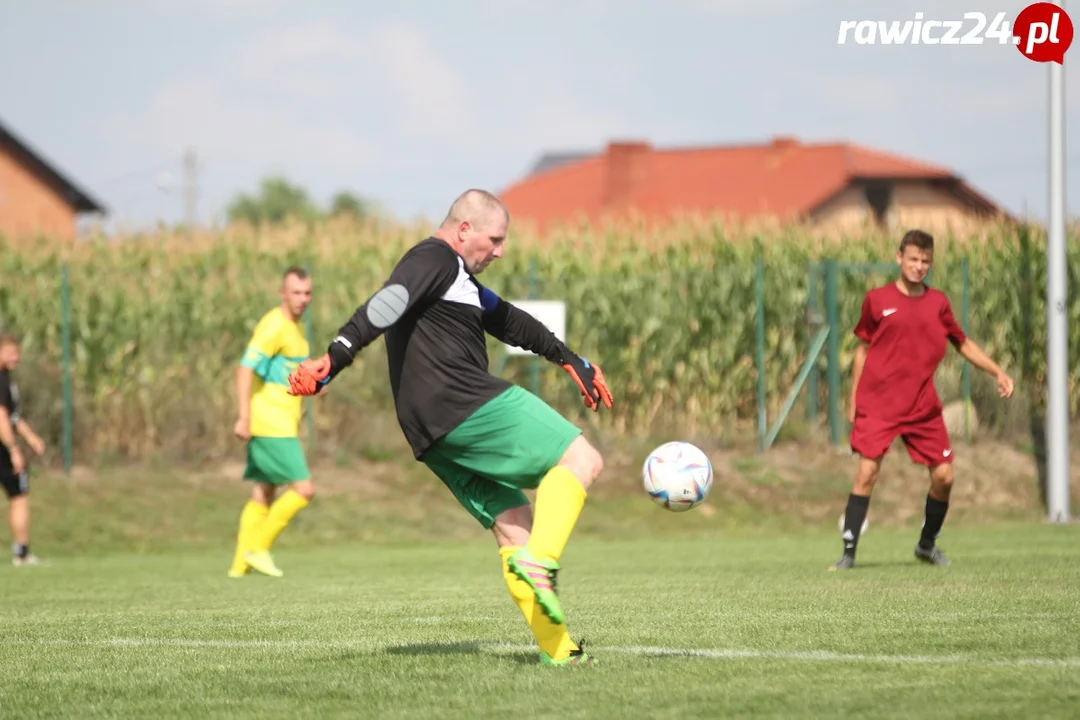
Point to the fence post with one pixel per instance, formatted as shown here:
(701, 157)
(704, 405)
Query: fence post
(759, 300)
(534, 365)
(832, 311)
(65, 340)
(309, 329)
(965, 371)
(812, 321)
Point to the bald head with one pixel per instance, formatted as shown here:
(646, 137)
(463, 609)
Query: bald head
(476, 207)
(475, 228)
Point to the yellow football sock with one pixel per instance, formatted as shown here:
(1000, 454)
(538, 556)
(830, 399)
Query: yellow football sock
(281, 513)
(251, 518)
(552, 639)
(559, 499)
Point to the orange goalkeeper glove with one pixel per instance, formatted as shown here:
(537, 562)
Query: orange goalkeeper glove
(590, 380)
(310, 376)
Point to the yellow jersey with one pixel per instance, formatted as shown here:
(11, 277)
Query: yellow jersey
(276, 347)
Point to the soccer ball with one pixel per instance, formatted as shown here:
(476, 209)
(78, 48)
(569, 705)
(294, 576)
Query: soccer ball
(678, 476)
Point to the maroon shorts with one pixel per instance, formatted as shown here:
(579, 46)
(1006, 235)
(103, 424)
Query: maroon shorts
(927, 441)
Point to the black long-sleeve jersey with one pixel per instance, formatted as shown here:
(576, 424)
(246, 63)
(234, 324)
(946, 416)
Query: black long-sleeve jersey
(9, 400)
(435, 314)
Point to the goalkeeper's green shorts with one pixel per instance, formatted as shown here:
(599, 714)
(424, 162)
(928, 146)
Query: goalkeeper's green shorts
(506, 446)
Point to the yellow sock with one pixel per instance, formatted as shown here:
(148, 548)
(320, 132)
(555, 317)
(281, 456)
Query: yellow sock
(552, 639)
(559, 499)
(281, 513)
(251, 518)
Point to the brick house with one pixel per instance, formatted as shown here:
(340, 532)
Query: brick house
(836, 186)
(36, 198)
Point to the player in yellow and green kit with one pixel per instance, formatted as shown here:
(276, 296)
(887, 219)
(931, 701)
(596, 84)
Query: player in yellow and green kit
(269, 421)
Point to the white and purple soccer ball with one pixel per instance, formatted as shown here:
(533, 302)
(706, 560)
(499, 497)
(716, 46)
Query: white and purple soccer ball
(677, 476)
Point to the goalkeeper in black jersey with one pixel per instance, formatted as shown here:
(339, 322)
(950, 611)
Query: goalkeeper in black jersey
(485, 438)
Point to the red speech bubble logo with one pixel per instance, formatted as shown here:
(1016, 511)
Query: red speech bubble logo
(1043, 32)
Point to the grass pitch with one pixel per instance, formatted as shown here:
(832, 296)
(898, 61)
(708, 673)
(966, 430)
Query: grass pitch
(708, 627)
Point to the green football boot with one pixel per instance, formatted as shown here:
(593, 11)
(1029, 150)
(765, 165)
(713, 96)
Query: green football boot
(541, 577)
(576, 657)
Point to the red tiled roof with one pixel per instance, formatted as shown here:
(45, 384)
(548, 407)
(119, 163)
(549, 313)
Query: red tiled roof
(783, 178)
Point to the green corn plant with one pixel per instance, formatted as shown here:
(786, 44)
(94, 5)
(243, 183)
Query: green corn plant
(158, 323)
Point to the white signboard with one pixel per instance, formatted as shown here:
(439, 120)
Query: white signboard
(552, 313)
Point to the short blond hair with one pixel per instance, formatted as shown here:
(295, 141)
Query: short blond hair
(474, 206)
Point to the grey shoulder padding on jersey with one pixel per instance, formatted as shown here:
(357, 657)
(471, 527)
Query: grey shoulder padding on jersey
(387, 306)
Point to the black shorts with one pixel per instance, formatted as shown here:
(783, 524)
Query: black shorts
(15, 484)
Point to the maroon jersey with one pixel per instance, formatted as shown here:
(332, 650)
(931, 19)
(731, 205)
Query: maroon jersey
(907, 337)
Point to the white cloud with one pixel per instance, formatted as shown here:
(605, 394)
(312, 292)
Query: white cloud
(215, 7)
(433, 92)
(318, 94)
(626, 7)
(367, 108)
(278, 48)
(747, 7)
(272, 104)
(391, 70)
(200, 113)
(538, 106)
(514, 8)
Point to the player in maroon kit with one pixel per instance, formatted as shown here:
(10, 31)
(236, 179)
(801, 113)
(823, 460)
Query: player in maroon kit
(904, 331)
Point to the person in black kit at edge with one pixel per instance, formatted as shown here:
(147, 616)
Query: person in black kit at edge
(13, 472)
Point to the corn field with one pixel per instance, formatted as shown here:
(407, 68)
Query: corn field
(158, 323)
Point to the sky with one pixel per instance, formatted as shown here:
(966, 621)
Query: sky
(411, 105)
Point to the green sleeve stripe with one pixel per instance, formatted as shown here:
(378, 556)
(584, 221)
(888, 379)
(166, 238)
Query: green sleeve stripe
(256, 360)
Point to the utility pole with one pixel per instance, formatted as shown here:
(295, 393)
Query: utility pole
(190, 191)
(1057, 346)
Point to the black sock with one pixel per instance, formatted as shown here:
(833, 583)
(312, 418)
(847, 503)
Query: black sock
(934, 519)
(19, 550)
(854, 516)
